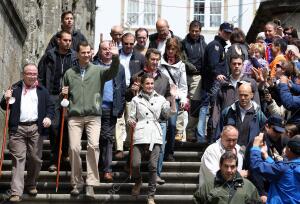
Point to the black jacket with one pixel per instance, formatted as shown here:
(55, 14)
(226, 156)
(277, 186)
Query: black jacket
(153, 39)
(214, 61)
(50, 75)
(137, 62)
(77, 37)
(45, 107)
(194, 51)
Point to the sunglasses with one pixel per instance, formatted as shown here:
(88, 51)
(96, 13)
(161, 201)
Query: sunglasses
(128, 44)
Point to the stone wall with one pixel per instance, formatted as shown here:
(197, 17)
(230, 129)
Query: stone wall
(26, 28)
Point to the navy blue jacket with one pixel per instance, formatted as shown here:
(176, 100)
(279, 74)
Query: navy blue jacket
(119, 89)
(215, 61)
(45, 107)
(290, 102)
(231, 114)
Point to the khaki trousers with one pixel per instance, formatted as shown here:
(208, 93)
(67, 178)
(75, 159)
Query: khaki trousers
(76, 126)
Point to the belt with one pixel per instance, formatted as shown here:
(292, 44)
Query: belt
(28, 123)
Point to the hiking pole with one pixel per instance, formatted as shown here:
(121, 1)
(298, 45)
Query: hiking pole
(64, 104)
(9, 101)
(131, 151)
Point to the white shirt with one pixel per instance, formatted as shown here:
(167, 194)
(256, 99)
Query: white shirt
(124, 60)
(244, 111)
(29, 105)
(211, 159)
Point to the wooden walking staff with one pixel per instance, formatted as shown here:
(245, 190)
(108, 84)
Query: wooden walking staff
(9, 101)
(64, 104)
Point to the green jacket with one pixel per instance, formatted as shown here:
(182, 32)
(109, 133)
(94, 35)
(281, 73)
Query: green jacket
(85, 94)
(218, 191)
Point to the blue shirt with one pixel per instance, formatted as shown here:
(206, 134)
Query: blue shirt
(284, 178)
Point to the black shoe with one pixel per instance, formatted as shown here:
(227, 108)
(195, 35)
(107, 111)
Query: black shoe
(170, 158)
(52, 168)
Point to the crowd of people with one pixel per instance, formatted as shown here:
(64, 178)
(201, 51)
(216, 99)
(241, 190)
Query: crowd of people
(145, 92)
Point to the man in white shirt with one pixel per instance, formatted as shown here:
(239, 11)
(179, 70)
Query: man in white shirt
(211, 157)
(30, 116)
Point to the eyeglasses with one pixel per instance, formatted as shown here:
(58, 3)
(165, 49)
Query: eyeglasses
(142, 37)
(128, 44)
(287, 33)
(30, 74)
(278, 66)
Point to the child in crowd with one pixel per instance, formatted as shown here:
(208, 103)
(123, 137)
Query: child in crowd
(256, 53)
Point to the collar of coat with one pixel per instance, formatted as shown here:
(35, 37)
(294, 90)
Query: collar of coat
(237, 180)
(146, 96)
(254, 105)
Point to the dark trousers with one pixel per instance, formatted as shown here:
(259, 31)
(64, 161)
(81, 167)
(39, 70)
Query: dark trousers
(54, 132)
(141, 151)
(108, 125)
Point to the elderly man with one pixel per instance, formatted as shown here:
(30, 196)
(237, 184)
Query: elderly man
(116, 34)
(284, 176)
(83, 84)
(158, 40)
(228, 186)
(211, 156)
(30, 116)
(244, 114)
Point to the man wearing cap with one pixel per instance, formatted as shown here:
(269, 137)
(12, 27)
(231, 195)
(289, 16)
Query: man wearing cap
(216, 67)
(275, 142)
(284, 176)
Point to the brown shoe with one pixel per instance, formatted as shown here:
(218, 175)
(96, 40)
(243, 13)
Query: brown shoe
(108, 177)
(178, 137)
(137, 188)
(150, 201)
(119, 155)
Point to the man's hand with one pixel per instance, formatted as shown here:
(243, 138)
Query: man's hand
(263, 199)
(113, 48)
(244, 173)
(131, 123)
(268, 97)
(8, 94)
(258, 140)
(221, 77)
(65, 90)
(46, 122)
(284, 79)
(135, 87)
(264, 152)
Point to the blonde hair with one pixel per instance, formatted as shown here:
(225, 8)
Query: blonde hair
(258, 46)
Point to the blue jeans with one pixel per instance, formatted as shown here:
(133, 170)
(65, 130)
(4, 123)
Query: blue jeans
(169, 149)
(163, 126)
(201, 127)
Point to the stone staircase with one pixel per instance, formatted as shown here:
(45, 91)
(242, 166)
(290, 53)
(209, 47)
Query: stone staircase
(181, 181)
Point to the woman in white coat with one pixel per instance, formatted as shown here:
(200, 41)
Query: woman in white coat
(146, 108)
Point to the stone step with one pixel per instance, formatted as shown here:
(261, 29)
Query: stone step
(119, 188)
(169, 177)
(104, 199)
(179, 146)
(178, 155)
(119, 166)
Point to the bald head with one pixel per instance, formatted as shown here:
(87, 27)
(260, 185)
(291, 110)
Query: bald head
(162, 28)
(229, 137)
(245, 95)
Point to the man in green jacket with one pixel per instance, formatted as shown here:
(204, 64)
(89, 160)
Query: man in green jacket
(83, 84)
(228, 186)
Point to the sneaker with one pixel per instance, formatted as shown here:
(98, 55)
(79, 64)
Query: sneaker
(52, 168)
(160, 181)
(89, 192)
(119, 155)
(137, 188)
(32, 191)
(76, 191)
(14, 198)
(108, 177)
(150, 201)
(178, 137)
